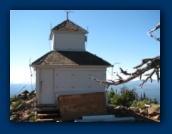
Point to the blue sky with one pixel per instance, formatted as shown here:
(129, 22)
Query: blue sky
(114, 35)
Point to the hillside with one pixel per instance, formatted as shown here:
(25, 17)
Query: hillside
(22, 110)
(21, 107)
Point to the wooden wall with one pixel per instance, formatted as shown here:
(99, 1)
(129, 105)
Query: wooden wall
(75, 106)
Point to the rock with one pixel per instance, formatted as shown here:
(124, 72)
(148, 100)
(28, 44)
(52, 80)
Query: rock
(31, 100)
(24, 114)
(157, 117)
(19, 107)
(134, 109)
(22, 96)
(25, 92)
(31, 95)
(143, 112)
(26, 117)
(23, 106)
(13, 118)
(28, 111)
(154, 109)
(13, 103)
(121, 107)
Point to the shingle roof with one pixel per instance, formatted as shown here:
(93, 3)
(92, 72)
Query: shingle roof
(68, 25)
(70, 58)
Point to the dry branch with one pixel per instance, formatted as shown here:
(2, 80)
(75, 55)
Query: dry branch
(151, 31)
(147, 64)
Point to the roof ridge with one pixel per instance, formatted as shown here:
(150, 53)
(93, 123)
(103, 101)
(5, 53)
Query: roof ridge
(77, 25)
(68, 25)
(57, 27)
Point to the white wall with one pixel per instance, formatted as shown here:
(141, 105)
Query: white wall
(69, 41)
(37, 86)
(70, 81)
(67, 81)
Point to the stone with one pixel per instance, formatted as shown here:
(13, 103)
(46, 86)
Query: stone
(157, 117)
(13, 118)
(21, 107)
(134, 109)
(121, 107)
(31, 100)
(154, 109)
(25, 92)
(143, 112)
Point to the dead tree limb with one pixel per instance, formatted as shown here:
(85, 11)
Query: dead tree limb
(148, 64)
(154, 64)
(151, 31)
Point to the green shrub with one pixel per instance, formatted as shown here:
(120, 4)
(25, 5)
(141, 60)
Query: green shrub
(32, 119)
(128, 98)
(111, 94)
(116, 100)
(125, 98)
(140, 104)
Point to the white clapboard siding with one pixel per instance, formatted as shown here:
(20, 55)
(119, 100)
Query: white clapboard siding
(76, 81)
(68, 81)
(69, 42)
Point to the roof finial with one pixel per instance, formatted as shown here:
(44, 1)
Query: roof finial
(67, 12)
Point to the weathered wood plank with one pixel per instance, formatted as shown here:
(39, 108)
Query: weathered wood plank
(75, 106)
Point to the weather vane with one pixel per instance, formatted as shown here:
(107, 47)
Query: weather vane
(67, 12)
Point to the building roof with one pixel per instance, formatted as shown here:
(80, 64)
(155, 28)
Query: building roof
(70, 58)
(68, 25)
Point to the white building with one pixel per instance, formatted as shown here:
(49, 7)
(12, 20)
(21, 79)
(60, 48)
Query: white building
(67, 68)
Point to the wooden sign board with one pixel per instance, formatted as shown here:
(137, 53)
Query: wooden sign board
(73, 107)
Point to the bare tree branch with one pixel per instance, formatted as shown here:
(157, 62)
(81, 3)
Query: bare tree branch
(151, 31)
(154, 64)
(147, 64)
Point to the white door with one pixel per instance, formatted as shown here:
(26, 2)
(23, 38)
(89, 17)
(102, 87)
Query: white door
(47, 93)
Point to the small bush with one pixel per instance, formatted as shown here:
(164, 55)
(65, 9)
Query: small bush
(128, 98)
(140, 104)
(32, 119)
(125, 98)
